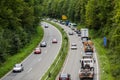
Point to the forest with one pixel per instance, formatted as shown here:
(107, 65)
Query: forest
(19, 18)
(102, 16)
(18, 22)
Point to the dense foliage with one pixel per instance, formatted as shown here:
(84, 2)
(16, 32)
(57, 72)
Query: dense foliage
(19, 18)
(103, 16)
(18, 21)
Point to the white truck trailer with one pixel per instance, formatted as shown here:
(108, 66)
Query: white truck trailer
(84, 34)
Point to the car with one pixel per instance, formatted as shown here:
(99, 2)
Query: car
(78, 32)
(54, 40)
(55, 20)
(70, 33)
(79, 35)
(43, 44)
(73, 46)
(46, 26)
(63, 23)
(65, 76)
(37, 51)
(18, 67)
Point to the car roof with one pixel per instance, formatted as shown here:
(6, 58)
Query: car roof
(19, 64)
(54, 39)
(43, 42)
(86, 59)
(73, 44)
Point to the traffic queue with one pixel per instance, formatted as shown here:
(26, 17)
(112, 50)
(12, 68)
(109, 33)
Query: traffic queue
(87, 62)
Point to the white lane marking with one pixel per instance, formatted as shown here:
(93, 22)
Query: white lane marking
(46, 51)
(97, 67)
(29, 70)
(58, 49)
(66, 62)
(39, 60)
(49, 46)
(26, 57)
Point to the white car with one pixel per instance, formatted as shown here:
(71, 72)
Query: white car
(18, 68)
(73, 46)
(70, 33)
(65, 76)
(46, 26)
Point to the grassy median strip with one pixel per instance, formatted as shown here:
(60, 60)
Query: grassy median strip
(105, 73)
(58, 62)
(11, 60)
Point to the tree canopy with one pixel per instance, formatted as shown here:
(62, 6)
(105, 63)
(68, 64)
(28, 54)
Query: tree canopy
(18, 21)
(103, 16)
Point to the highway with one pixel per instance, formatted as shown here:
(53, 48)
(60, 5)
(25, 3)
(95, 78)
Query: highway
(35, 65)
(72, 63)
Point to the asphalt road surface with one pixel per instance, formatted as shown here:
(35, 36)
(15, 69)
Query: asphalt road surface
(72, 63)
(35, 65)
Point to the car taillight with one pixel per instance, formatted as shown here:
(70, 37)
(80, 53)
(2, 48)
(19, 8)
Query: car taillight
(59, 78)
(67, 78)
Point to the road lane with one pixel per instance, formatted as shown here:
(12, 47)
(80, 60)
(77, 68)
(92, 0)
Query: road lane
(37, 64)
(72, 63)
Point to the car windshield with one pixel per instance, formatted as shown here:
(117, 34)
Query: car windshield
(43, 42)
(88, 61)
(54, 40)
(17, 65)
(37, 49)
(73, 44)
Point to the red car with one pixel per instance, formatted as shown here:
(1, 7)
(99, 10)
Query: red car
(54, 41)
(37, 51)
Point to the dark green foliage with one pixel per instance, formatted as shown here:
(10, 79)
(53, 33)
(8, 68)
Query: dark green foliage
(102, 16)
(18, 21)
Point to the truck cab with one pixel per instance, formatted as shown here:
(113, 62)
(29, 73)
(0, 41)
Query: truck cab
(87, 61)
(87, 69)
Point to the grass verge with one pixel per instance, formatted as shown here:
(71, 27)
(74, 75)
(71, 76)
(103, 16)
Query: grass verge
(11, 60)
(105, 73)
(103, 60)
(58, 62)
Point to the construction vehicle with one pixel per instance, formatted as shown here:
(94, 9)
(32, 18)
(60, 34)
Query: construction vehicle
(87, 68)
(86, 73)
(88, 46)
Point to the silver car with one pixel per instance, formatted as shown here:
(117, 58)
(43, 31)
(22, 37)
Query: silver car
(43, 44)
(73, 46)
(46, 26)
(65, 76)
(70, 33)
(18, 68)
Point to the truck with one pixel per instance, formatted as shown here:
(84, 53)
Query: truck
(88, 46)
(87, 68)
(86, 74)
(84, 34)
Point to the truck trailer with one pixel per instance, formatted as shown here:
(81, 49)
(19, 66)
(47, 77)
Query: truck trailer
(84, 34)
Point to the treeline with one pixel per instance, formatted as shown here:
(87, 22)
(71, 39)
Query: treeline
(103, 16)
(18, 23)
